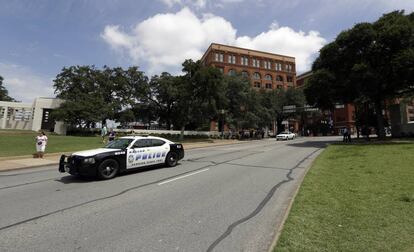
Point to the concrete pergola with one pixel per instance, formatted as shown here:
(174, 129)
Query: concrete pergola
(29, 116)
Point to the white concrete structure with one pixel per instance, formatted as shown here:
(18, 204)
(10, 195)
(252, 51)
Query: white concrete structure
(26, 116)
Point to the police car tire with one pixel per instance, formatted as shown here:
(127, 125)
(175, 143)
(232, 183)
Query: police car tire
(113, 166)
(172, 159)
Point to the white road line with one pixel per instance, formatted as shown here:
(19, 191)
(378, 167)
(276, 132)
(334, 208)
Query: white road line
(184, 176)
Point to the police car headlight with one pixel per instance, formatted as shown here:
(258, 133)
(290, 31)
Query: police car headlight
(89, 160)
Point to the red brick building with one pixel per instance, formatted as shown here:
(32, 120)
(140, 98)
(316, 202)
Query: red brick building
(342, 116)
(265, 70)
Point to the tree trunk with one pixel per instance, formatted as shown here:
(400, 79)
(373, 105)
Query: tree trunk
(168, 124)
(380, 119)
(182, 133)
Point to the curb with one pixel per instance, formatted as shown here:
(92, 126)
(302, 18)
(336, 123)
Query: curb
(27, 167)
(287, 210)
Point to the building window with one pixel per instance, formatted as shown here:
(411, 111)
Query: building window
(410, 112)
(257, 85)
(278, 66)
(267, 64)
(231, 59)
(279, 86)
(256, 76)
(221, 69)
(268, 77)
(245, 74)
(289, 68)
(232, 72)
(269, 85)
(289, 79)
(244, 61)
(219, 57)
(256, 63)
(279, 78)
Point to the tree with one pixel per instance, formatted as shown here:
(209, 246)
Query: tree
(163, 95)
(237, 95)
(201, 94)
(369, 63)
(277, 99)
(4, 94)
(91, 95)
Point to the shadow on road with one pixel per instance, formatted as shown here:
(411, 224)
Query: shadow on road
(69, 179)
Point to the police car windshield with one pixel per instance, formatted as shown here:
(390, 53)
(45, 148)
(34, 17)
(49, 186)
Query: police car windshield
(121, 143)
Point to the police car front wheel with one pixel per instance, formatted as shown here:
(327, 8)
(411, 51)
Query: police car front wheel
(108, 169)
(172, 159)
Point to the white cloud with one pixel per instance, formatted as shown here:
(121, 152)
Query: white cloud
(170, 3)
(23, 85)
(199, 4)
(286, 41)
(164, 41)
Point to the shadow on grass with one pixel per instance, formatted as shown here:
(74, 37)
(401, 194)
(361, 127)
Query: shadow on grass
(313, 144)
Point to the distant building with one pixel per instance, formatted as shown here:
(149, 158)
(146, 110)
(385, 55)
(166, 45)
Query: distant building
(31, 116)
(342, 116)
(402, 118)
(265, 70)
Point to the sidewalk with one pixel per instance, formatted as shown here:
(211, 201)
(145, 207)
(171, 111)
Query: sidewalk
(23, 162)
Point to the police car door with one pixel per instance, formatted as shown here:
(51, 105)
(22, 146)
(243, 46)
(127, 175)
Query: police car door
(161, 149)
(138, 153)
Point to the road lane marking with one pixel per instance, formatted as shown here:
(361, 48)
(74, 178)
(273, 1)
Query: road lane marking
(184, 176)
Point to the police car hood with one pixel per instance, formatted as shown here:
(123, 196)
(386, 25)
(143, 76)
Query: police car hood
(89, 153)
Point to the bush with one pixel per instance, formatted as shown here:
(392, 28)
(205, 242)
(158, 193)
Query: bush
(82, 132)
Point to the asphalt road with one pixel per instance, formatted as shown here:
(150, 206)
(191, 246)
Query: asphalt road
(227, 198)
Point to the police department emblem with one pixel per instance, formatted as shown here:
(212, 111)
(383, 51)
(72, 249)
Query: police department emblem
(130, 158)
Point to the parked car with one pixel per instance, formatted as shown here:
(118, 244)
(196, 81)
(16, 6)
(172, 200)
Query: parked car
(287, 135)
(122, 154)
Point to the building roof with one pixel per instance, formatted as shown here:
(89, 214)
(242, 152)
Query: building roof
(251, 52)
(304, 75)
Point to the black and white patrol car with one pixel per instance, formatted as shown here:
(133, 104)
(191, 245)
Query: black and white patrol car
(122, 154)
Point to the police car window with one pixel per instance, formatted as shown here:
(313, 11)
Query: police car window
(142, 143)
(121, 143)
(157, 142)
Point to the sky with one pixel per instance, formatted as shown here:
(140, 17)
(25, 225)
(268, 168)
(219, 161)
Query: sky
(40, 37)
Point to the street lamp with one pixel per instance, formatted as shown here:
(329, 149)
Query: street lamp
(221, 112)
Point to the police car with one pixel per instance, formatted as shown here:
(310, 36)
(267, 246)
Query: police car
(122, 154)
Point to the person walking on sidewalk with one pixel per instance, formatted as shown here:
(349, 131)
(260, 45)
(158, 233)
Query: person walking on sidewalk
(41, 142)
(104, 131)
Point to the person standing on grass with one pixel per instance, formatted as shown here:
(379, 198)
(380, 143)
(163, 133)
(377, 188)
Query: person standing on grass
(104, 131)
(111, 135)
(41, 142)
(345, 136)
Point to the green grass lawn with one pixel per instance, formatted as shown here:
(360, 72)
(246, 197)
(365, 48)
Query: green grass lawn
(355, 198)
(17, 143)
(23, 143)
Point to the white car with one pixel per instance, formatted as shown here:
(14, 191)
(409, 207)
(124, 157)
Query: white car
(285, 136)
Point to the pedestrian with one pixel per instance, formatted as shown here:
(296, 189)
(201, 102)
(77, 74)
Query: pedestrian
(349, 135)
(345, 135)
(104, 131)
(111, 135)
(41, 142)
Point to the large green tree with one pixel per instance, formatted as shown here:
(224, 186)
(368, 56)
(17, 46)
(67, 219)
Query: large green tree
(201, 95)
(369, 63)
(91, 95)
(163, 94)
(4, 94)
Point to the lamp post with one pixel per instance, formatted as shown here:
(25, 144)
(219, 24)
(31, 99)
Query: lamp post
(222, 111)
